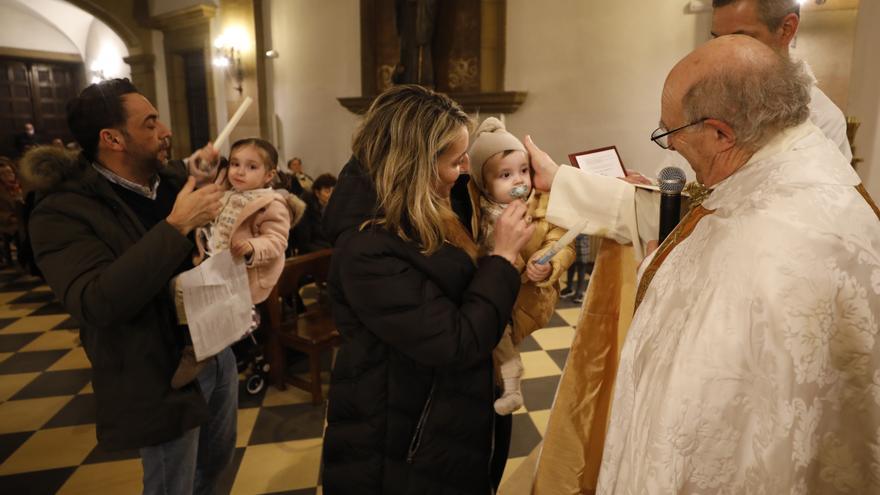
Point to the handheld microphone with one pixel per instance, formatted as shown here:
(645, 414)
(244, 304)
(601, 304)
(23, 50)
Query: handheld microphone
(671, 181)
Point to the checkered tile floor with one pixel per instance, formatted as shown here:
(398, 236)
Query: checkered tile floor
(47, 409)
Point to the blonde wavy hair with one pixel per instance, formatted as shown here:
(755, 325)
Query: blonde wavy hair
(399, 141)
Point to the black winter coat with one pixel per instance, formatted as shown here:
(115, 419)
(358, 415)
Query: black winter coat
(113, 277)
(410, 403)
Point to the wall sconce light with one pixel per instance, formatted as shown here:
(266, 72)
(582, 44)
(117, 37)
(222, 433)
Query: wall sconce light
(105, 64)
(97, 73)
(228, 47)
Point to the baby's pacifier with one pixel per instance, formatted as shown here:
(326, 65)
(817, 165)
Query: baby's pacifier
(519, 192)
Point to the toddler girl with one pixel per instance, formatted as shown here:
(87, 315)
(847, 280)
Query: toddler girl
(253, 225)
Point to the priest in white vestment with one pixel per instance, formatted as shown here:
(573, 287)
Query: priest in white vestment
(752, 364)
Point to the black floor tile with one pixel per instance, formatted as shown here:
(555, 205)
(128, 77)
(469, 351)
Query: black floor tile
(52, 383)
(559, 356)
(528, 344)
(566, 303)
(15, 341)
(20, 285)
(37, 482)
(68, 324)
(525, 436)
(81, 410)
(557, 321)
(9, 277)
(286, 423)
(538, 393)
(26, 362)
(10, 442)
(4, 322)
(227, 478)
(34, 297)
(52, 308)
(99, 455)
(304, 491)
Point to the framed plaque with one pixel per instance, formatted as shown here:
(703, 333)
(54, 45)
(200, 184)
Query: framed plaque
(603, 161)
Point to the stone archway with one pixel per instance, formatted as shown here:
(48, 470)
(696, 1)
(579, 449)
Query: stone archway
(129, 19)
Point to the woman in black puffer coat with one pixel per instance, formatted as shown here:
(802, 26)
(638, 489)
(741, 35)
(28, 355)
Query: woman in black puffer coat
(411, 394)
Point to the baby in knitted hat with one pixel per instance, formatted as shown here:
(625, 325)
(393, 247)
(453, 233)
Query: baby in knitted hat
(500, 174)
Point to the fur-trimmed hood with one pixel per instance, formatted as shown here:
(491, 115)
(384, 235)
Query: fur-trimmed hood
(45, 168)
(296, 206)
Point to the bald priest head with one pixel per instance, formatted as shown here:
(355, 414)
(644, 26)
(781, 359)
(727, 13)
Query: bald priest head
(727, 99)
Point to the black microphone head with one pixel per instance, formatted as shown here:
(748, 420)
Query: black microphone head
(671, 180)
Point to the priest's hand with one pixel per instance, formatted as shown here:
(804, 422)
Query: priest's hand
(538, 273)
(544, 166)
(636, 178)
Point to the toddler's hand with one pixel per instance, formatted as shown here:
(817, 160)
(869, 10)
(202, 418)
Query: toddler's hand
(242, 249)
(538, 273)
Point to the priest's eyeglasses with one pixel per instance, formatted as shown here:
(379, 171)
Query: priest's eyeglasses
(660, 136)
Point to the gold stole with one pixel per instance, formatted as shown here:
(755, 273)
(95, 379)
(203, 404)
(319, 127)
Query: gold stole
(571, 453)
(864, 192)
(681, 232)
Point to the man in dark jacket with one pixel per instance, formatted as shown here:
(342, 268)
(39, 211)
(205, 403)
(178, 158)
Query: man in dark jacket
(110, 229)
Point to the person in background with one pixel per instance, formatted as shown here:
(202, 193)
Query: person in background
(11, 204)
(575, 288)
(308, 235)
(411, 393)
(300, 178)
(775, 23)
(26, 139)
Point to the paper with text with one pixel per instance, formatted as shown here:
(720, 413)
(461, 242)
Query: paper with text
(217, 302)
(604, 162)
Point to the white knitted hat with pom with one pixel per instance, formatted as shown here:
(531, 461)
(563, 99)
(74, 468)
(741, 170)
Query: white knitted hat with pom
(490, 138)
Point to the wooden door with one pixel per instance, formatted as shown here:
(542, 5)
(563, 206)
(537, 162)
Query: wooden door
(16, 106)
(37, 92)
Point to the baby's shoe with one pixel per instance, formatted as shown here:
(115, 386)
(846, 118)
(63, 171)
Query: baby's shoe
(508, 403)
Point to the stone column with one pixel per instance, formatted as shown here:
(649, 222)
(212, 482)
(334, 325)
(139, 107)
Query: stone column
(143, 74)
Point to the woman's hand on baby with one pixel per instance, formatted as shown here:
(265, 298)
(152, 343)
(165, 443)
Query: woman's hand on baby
(512, 231)
(242, 249)
(538, 273)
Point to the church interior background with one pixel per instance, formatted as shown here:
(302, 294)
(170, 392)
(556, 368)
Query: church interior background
(574, 75)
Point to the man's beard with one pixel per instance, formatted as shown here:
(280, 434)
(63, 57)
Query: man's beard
(151, 163)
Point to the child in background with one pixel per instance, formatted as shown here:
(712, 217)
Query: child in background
(573, 289)
(253, 225)
(500, 166)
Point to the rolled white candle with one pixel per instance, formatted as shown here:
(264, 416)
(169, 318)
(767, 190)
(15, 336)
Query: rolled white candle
(224, 134)
(563, 241)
